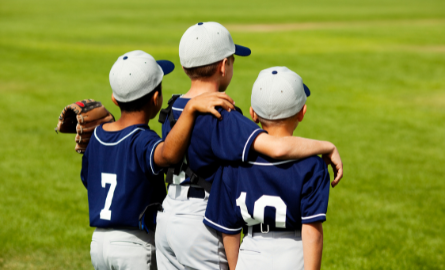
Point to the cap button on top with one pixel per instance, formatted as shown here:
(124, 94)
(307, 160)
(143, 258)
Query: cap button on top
(200, 23)
(125, 57)
(274, 72)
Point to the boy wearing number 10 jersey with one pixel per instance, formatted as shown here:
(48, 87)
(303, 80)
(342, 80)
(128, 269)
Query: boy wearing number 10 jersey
(282, 204)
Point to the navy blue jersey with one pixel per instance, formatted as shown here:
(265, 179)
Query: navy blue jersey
(120, 175)
(215, 142)
(281, 194)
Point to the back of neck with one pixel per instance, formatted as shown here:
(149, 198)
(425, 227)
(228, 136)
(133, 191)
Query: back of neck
(199, 87)
(127, 119)
(279, 130)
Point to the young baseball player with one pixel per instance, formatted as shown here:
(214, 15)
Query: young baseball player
(283, 203)
(183, 241)
(120, 167)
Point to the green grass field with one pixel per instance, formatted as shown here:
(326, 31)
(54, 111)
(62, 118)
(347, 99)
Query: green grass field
(376, 70)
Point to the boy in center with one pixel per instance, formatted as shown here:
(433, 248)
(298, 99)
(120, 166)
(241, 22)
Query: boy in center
(206, 52)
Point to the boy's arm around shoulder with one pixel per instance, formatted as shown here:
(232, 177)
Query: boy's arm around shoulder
(172, 150)
(297, 148)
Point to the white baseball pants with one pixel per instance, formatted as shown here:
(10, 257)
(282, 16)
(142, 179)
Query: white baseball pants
(123, 249)
(182, 239)
(270, 251)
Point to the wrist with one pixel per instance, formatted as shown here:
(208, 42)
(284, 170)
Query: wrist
(330, 147)
(190, 108)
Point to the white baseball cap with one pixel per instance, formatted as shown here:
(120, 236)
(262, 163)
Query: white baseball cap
(207, 43)
(278, 93)
(136, 74)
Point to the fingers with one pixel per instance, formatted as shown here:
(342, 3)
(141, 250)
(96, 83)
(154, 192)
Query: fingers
(326, 159)
(226, 105)
(215, 113)
(220, 95)
(206, 103)
(338, 175)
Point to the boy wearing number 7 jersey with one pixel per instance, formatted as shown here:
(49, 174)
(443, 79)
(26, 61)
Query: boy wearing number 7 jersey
(282, 204)
(121, 165)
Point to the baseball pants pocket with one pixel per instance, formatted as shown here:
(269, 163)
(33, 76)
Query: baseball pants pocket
(250, 259)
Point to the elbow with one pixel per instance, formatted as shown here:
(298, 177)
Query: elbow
(278, 153)
(171, 159)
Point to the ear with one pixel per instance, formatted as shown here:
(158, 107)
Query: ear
(155, 98)
(114, 100)
(254, 115)
(301, 113)
(222, 66)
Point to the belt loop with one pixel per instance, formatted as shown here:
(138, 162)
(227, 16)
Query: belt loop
(250, 231)
(261, 228)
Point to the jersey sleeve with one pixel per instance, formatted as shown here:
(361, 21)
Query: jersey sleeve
(221, 213)
(315, 194)
(145, 151)
(233, 136)
(84, 170)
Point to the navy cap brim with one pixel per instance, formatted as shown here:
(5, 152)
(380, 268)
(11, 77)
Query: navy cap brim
(242, 51)
(166, 66)
(306, 90)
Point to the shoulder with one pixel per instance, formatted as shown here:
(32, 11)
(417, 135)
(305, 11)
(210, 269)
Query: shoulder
(313, 163)
(231, 114)
(145, 134)
(313, 169)
(236, 119)
(179, 103)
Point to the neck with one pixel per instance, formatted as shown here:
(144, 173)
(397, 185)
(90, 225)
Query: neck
(127, 119)
(279, 130)
(199, 87)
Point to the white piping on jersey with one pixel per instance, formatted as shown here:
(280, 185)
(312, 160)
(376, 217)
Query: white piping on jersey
(177, 109)
(222, 227)
(151, 154)
(247, 142)
(314, 216)
(116, 143)
(271, 163)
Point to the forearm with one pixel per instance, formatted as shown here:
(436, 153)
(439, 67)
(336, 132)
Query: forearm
(290, 147)
(231, 245)
(173, 149)
(312, 235)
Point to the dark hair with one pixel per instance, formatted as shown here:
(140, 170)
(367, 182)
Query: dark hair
(202, 72)
(138, 104)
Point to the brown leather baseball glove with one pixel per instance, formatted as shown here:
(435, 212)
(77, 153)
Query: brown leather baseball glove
(83, 117)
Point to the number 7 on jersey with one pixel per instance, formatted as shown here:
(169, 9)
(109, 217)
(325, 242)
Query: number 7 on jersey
(108, 178)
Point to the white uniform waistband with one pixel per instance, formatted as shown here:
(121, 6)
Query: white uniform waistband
(181, 192)
(274, 234)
